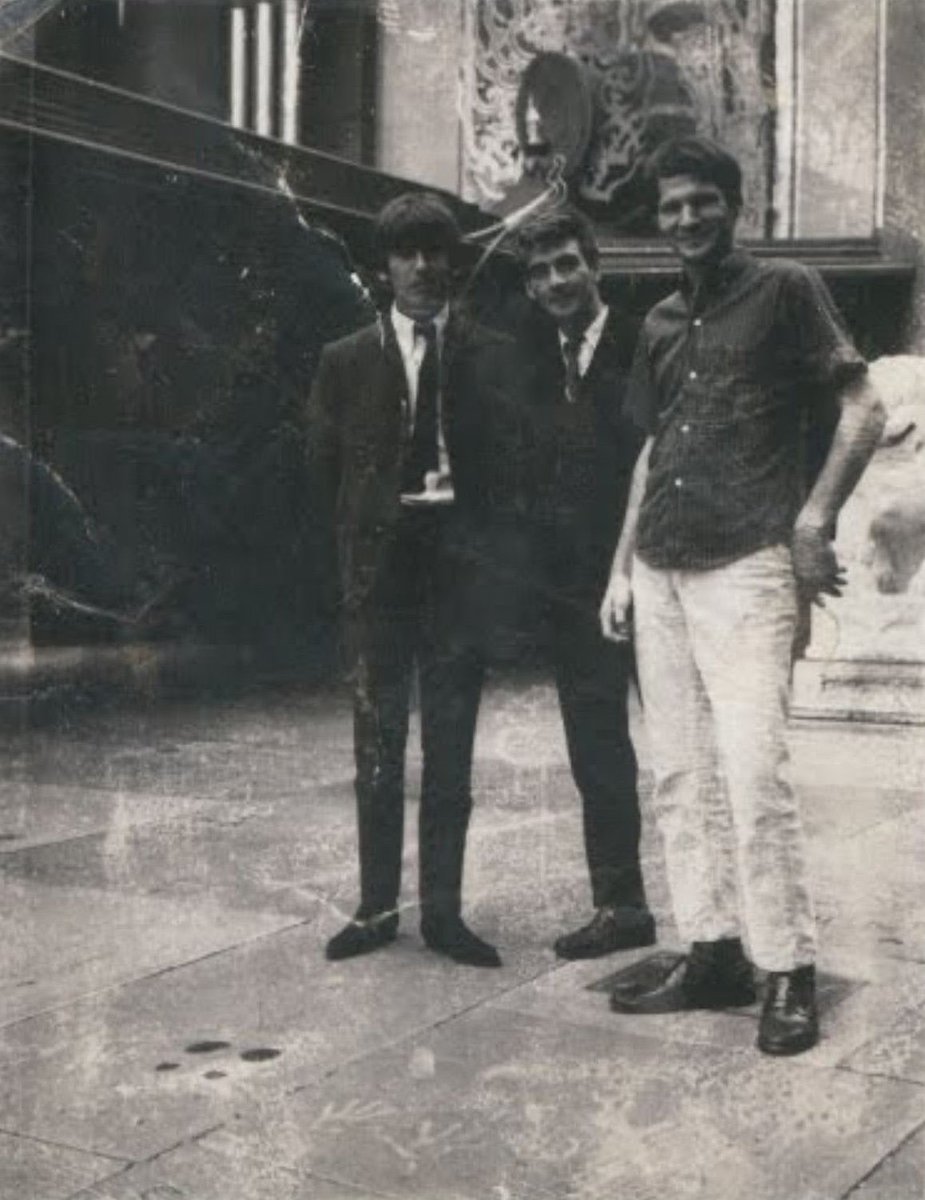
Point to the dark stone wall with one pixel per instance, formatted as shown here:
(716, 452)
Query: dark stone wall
(175, 52)
(15, 383)
(177, 323)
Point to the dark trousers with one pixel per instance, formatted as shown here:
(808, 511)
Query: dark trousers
(415, 619)
(592, 678)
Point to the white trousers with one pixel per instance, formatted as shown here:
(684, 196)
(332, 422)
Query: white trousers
(714, 665)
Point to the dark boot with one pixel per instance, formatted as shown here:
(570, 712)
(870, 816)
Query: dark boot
(714, 975)
(789, 1018)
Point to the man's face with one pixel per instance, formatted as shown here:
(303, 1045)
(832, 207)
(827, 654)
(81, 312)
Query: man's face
(420, 279)
(562, 282)
(696, 218)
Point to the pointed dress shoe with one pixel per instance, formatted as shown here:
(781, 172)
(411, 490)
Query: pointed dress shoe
(452, 937)
(789, 1018)
(362, 936)
(714, 975)
(613, 927)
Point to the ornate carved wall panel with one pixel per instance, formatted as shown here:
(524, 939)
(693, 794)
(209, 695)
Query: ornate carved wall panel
(656, 66)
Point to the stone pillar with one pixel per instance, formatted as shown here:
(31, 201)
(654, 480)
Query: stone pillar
(837, 96)
(417, 117)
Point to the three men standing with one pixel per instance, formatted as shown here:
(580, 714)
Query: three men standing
(720, 539)
(581, 452)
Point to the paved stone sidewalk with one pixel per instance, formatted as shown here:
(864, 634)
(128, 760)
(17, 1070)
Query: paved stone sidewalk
(169, 1028)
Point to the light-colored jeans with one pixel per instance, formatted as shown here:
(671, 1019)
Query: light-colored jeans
(714, 665)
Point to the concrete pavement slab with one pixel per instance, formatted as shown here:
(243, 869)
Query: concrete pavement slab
(868, 888)
(206, 769)
(854, 1005)
(898, 1052)
(248, 853)
(501, 1104)
(63, 943)
(286, 854)
(113, 1074)
(31, 1170)
(847, 811)
(849, 754)
(198, 1172)
(35, 814)
(901, 1175)
(193, 820)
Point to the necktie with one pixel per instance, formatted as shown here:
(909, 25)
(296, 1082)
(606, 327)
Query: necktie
(570, 351)
(424, 454)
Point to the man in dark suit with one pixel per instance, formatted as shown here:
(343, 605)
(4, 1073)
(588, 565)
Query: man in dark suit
(582, 459)
(403, 452)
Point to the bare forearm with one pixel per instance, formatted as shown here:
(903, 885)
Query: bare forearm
(857, 434)
(623, 555)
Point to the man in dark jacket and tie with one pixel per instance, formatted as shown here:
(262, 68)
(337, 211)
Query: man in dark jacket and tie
(404, 458)
(582, 454)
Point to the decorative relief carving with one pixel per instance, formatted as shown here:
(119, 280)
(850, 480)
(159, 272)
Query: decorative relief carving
(657, 67)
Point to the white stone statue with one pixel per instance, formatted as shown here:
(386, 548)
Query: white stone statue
(881, 536)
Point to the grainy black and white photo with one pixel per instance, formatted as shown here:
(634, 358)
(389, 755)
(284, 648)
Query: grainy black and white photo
(462, 599)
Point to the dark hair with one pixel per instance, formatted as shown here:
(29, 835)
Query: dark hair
(417, 221)
(703, 160)
(554, 227)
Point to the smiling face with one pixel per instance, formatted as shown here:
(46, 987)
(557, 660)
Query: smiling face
(420, 279)
(696, 218)
(564, 284)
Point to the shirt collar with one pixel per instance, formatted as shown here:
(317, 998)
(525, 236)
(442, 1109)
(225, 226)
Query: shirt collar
(725, 273)
(591, 334)
(404, 325)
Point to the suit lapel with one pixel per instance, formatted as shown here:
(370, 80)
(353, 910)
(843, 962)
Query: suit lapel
(457, 340)
(602, 359)
(390, 386)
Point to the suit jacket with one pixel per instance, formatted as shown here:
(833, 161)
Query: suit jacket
(581, 461)
(357, 439)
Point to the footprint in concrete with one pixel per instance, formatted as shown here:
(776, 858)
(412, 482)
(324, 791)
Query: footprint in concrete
(206, 1047)
(260, 1054)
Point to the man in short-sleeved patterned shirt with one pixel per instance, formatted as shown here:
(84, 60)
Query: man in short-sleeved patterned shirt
(720, 541)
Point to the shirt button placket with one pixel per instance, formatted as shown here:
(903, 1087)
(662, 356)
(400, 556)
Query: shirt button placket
(692, 375)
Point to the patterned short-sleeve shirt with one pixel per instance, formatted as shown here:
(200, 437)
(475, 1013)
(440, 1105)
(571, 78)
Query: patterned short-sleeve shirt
(723, 381)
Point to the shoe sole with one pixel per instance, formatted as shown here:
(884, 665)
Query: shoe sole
(460, 959)
(371, 948)
(627, 1008)
(788, 1049)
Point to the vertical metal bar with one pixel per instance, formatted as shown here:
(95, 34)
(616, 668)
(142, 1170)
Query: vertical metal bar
(237, 107)
(291, 70)
(263, 96)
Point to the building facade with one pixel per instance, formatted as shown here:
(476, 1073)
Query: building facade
(172, 150)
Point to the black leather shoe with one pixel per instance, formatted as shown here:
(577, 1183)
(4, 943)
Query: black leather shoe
(450, 936)
(362, 936)
(714, 975)
(611, 928)
(789, 1019)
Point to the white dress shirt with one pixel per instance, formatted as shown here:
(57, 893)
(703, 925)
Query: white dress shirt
(589, 340)
(412, 348)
